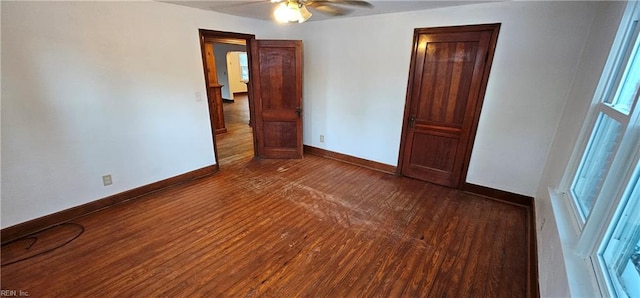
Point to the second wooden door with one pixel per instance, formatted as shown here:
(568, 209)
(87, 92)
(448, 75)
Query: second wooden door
(449, 71)
(277, 90)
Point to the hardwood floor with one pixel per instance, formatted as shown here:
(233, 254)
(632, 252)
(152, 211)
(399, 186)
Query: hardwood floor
(237, 142)
(285, 228)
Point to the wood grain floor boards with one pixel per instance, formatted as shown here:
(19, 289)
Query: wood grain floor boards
(289, 228)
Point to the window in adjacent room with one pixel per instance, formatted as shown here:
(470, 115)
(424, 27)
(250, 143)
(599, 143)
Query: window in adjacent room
(244, 66)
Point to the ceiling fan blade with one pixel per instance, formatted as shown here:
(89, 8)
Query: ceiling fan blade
(344, 2)
(329, 9)
(233, 4)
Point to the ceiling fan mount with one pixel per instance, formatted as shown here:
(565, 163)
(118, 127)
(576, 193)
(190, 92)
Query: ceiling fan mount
(295, 11)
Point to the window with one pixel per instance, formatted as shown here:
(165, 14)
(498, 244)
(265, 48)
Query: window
(244, 67)
(603, 185)
(613, 115)
(620, 253)
(623, 97)
(597, 159)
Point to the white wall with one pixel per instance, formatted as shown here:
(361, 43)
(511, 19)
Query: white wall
(95, 88)
(553, 277)
(356, 74)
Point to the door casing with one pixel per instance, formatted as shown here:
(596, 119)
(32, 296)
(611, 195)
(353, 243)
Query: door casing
(228, 37)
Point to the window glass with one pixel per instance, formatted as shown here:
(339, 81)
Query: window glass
(621, 253)
(244, 66)
(595, 164)
(628, 74)
(628, 89)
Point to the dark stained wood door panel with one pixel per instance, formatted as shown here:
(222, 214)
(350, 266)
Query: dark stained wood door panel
(449, 70)
(214, 89)
(277, 87)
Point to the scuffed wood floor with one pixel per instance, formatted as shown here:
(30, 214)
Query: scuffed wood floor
(287, 228)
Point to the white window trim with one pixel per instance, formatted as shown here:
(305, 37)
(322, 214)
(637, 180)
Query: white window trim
(581, 239)
(580, 274)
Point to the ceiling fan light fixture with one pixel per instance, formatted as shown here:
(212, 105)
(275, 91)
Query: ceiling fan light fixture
(305, 14)
(291, 12)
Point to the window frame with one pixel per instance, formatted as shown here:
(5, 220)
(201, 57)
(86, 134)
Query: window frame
(610, 78)
(594, 244)
(600, 112)
(598, 259)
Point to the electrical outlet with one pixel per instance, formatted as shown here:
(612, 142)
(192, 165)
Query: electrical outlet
(106, 180)
(321, 138)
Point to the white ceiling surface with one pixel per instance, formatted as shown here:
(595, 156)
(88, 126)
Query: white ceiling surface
(263, 9)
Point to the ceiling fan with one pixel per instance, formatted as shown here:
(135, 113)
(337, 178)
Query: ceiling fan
(295, 11)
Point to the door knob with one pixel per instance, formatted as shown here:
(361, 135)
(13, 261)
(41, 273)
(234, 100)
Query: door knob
(412, 120)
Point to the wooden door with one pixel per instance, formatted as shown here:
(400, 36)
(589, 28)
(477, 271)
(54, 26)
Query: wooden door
(447, 79)
(277, 90)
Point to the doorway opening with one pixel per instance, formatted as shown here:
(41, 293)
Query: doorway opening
(231, 110)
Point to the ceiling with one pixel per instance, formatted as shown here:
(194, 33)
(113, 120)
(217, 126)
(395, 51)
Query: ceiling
(263, 9)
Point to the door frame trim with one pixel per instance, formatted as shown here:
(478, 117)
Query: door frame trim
(495, 29)
(228, 37)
